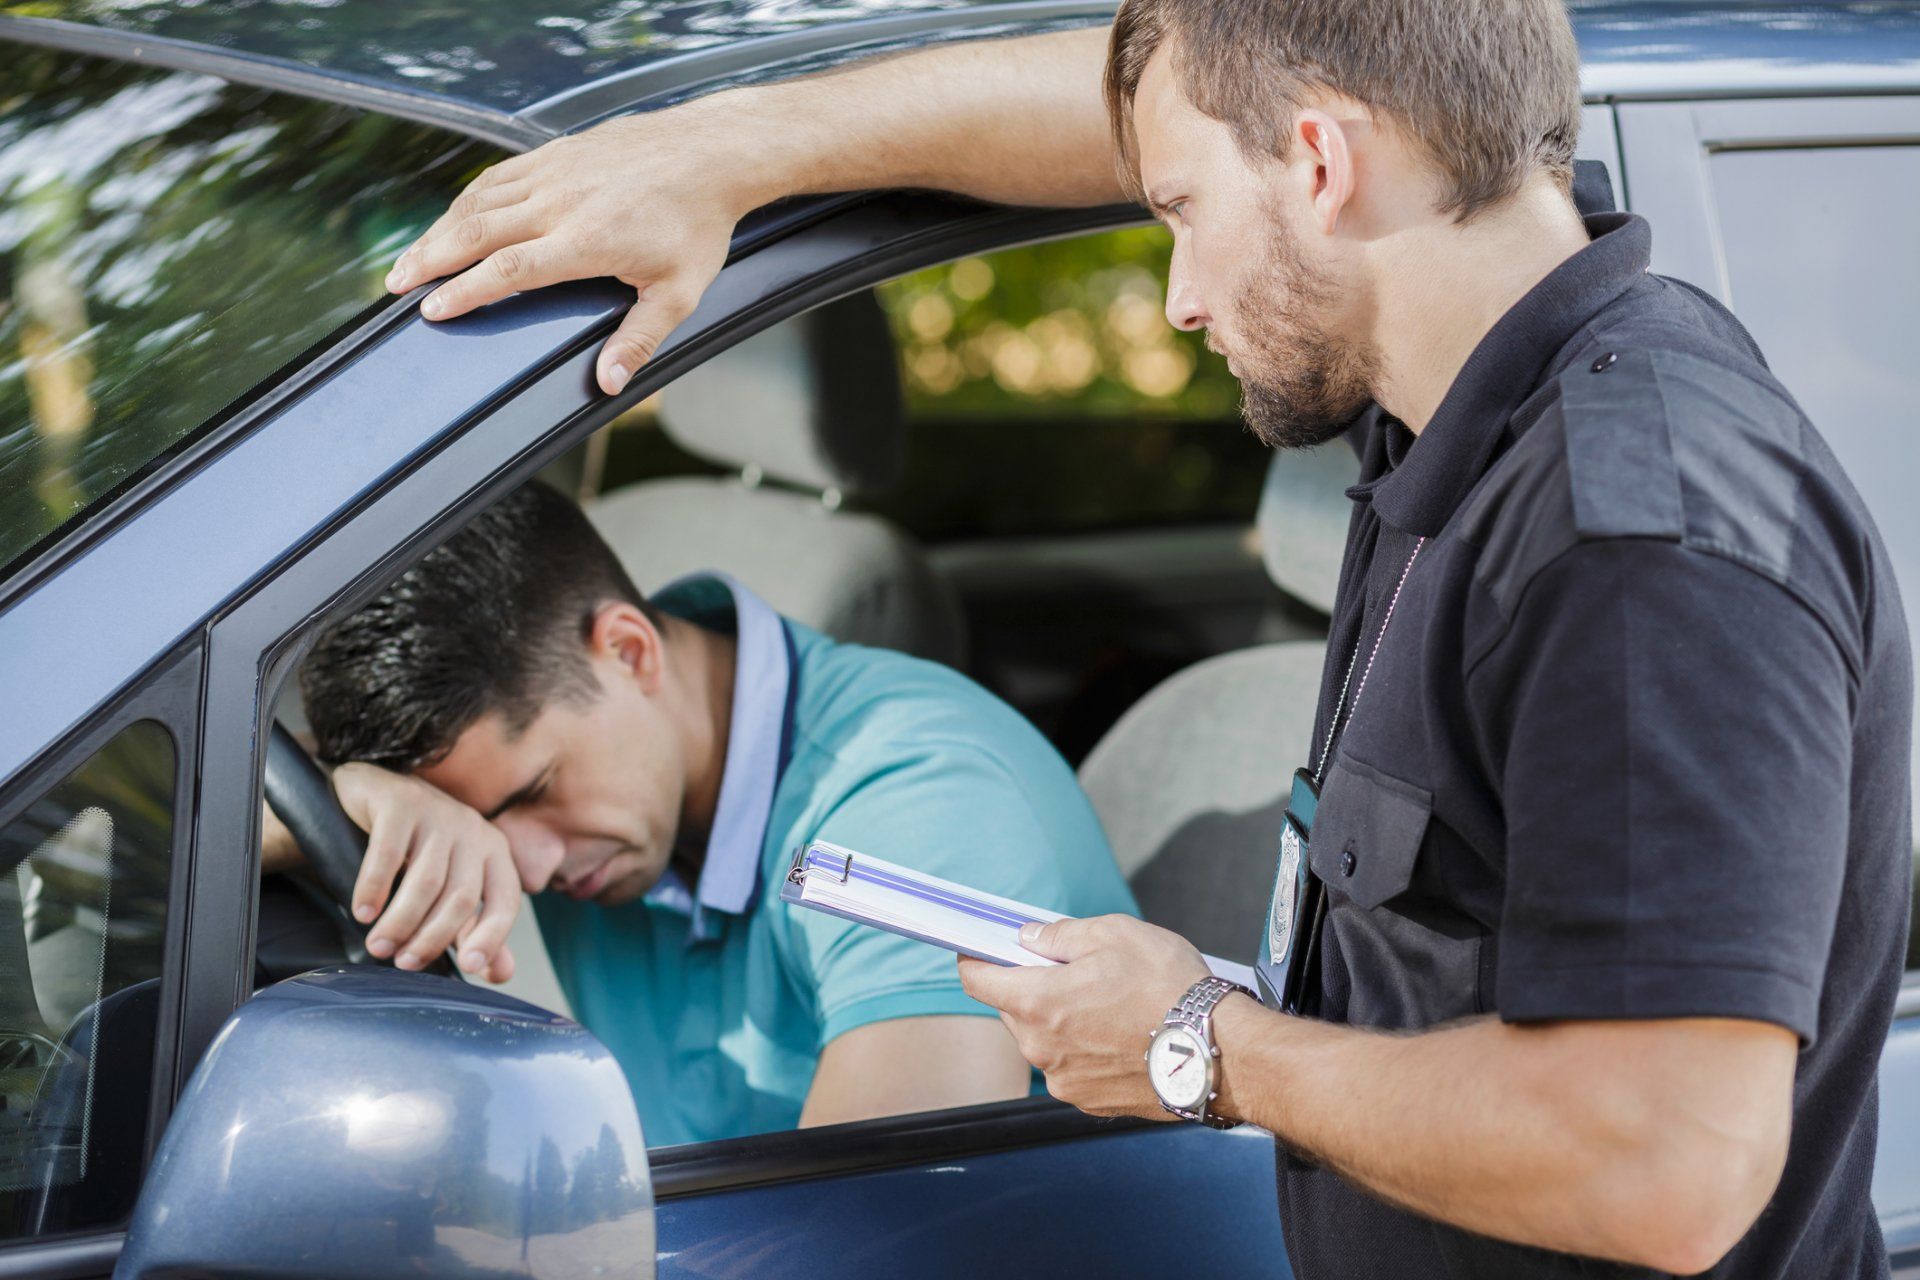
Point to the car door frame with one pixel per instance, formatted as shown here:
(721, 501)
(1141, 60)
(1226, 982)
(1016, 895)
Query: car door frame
(499, 444)
(494, 442)
(1668, 150)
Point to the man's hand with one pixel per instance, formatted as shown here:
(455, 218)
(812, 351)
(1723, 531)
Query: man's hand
(652, 199)
(645, 199)
(1085, 1022)
(459, 887)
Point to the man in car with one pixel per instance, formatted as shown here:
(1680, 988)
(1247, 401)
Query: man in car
(648, 767)
(1607, 808)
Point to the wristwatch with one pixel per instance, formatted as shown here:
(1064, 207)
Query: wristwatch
(1183, 1061)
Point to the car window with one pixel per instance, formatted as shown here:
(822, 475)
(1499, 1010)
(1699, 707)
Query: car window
(1046, 393)
(167, 242)
(83, 900)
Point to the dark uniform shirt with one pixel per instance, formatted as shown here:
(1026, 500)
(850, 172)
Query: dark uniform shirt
(1634, 746)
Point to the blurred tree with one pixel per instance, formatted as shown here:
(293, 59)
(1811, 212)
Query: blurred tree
(1046, 393)
(1071, 328)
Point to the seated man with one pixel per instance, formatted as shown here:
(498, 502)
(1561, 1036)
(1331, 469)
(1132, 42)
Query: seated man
(653, 765)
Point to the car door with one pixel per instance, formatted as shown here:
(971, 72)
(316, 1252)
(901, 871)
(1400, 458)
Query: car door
(447, 442)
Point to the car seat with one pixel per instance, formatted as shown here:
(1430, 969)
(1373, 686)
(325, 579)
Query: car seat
(810, 413)
(1191, 782)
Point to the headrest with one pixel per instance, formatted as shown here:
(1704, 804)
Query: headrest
(1304, 510)
(814, 401)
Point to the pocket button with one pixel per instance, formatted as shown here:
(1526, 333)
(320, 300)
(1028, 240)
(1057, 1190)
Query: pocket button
(1347, 863)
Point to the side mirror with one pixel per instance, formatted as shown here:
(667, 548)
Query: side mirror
(371, 1123)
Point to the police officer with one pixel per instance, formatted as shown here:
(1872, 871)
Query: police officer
(1591, 897)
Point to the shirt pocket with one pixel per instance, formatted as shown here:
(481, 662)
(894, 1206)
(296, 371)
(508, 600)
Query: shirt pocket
(1367, 832)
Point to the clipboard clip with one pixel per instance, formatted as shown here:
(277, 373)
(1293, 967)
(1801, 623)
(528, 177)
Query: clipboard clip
(819, 859)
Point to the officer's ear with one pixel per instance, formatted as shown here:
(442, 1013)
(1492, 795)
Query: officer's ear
(624, 642)
(1322, 147)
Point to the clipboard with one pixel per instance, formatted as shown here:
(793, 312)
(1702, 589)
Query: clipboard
(885, 895)
(872, 891)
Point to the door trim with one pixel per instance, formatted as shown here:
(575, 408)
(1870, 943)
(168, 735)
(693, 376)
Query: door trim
(1668, 149)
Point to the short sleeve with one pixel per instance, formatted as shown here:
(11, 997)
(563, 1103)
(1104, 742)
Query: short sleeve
(958, 813)
(1671, 735)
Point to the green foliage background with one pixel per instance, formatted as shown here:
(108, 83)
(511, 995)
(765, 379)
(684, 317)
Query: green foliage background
(1046, 393)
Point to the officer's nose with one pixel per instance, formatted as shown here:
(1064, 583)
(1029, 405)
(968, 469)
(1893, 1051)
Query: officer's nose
(1186, 310)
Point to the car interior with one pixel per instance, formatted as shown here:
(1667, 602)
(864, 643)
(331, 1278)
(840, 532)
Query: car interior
(1171, 649)
(808, 418)
(1172, 655)
(1138, 647)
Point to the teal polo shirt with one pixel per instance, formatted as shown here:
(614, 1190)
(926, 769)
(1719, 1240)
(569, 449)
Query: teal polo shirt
(717, 998)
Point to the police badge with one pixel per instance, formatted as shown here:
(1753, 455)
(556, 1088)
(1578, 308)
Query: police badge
(1299, 901)
(1294, 913)
(1285, 891)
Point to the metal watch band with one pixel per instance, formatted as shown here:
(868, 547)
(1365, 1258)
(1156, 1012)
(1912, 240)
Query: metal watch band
(1195, 1010)
(1202, 996)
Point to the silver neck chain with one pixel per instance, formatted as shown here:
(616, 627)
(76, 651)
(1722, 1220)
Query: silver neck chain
(1333, 726)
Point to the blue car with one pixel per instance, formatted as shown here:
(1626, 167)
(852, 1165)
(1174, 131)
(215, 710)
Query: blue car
(217, 433)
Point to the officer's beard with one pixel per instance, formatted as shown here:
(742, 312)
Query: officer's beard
(1301, 384)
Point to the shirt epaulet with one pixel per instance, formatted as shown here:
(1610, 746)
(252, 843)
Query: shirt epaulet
(1618, 441)
(1637, 442)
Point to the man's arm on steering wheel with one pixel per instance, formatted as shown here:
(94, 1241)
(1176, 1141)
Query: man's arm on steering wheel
(652, 199)
(457, 883)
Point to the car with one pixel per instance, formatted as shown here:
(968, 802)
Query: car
(217, 433)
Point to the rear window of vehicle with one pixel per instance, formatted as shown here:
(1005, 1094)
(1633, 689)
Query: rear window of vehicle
(168, 242)
(1047, 394)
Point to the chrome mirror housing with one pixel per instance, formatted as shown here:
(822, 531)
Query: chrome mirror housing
(371, 1123)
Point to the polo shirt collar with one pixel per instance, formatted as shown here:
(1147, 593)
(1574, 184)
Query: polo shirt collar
(1421, 492)
(757, 736)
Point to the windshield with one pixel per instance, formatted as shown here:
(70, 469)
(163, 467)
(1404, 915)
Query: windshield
(167, 243)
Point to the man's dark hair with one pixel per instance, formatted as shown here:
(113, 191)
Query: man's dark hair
(1490, 89)
(494, 620)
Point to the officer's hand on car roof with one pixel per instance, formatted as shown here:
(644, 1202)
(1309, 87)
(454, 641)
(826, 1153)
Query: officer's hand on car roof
(580, 206)
(457, 883)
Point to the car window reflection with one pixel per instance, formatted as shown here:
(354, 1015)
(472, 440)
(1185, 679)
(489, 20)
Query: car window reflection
(168, 241)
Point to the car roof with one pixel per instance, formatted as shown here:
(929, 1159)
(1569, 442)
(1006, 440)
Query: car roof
(518, 71)
(553, 64)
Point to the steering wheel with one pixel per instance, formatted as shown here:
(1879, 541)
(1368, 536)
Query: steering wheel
(302, 797)
(29, 1050)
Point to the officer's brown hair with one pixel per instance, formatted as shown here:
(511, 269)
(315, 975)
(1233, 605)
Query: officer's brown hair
(1489, 89)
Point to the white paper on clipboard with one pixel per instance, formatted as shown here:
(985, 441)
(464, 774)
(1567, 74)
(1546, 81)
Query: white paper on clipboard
(872, 891)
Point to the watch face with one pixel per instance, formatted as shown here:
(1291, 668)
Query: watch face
(1176, 1063)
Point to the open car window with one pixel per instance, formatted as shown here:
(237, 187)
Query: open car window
(168, 242)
